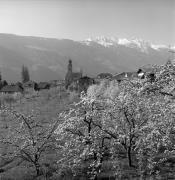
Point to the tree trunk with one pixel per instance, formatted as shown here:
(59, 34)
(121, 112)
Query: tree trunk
(129, 156)
(95, 178)
(37, 168)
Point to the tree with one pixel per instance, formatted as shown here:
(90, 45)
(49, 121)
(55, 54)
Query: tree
(107, 114)
(124, 114)
(25, 74)
(156, 146)
(84, 144)
(136, 116)
(28, 139)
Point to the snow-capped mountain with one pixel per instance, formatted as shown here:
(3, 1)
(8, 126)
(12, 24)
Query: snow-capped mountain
(47, 58)
(132, 43)
(104, 41)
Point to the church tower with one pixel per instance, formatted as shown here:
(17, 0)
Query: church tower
(68, 78)
(72, 77)
(69, 67)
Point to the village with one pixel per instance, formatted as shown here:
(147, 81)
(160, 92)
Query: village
(74, 81)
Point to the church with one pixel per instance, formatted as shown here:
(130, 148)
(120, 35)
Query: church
(71, 77)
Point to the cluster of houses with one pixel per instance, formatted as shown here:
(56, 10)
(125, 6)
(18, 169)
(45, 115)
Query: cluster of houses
(27, 86)
(141, 73)
(74, 81)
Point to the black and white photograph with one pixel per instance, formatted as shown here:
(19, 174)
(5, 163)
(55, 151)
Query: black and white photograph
(87, 89)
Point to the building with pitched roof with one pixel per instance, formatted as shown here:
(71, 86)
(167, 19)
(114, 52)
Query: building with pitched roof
(124, 75)
(13, 88)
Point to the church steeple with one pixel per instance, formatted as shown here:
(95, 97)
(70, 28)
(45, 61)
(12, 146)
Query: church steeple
(69, 67)
(70, 75)
(68, 78)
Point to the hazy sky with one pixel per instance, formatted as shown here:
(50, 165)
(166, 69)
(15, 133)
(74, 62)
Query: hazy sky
(151, 20)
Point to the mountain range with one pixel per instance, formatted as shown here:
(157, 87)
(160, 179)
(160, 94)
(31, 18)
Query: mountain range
(47, 58)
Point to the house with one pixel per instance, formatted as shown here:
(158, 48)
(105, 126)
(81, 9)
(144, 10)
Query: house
(124, 75)
(104, 76)
(19, 84)
(141, 74)
(12, 89)
(84, 83)
(42, 85)
(29, 84)
(71, 76)
(146, 71)
(56, 83)
(3, 83)
(81, 84)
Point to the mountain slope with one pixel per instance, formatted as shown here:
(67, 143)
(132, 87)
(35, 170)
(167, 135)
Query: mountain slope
(47, 58)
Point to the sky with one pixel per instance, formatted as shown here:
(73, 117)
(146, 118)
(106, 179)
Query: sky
(150, 20)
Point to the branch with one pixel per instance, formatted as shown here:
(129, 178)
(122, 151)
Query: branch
(22, 151)
(106, 131)
(19, 115)
(27, 156)
(79, 133)
(165, 93)
(48, 137)
(125, 114)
